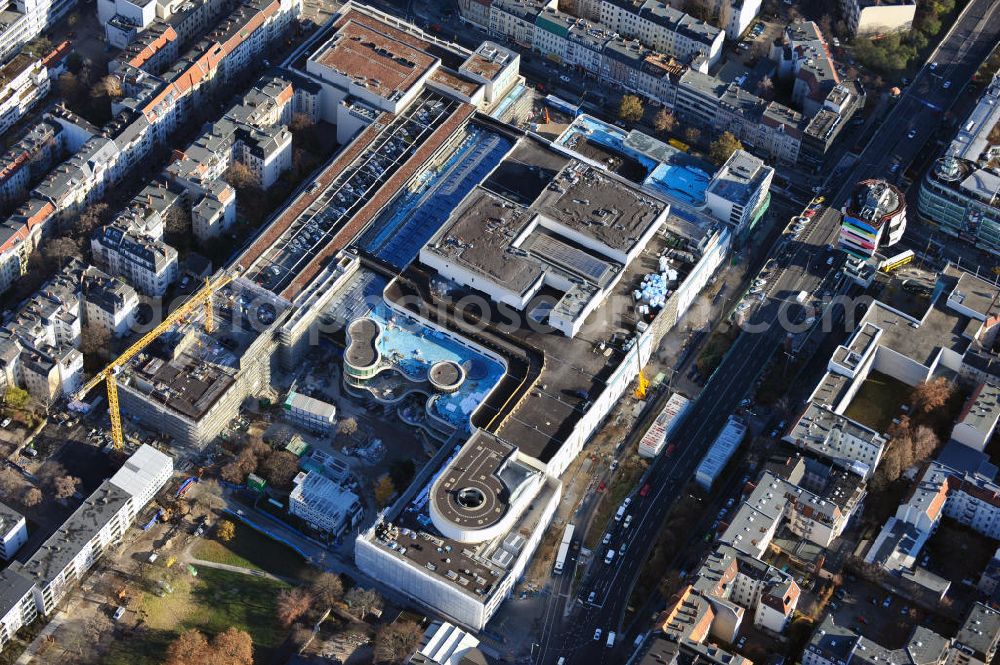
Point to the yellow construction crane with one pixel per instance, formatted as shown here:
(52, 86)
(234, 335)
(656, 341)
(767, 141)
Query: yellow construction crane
(107, 375)
(642, 387)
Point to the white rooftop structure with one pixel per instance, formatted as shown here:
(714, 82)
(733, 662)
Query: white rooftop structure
(143, 475)
(444, 644)
(719, 454)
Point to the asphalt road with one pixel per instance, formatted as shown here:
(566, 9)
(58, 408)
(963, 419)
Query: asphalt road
(923, 103)
(797, 269)
(800, 266)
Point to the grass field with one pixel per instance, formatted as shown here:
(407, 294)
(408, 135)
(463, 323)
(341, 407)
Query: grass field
(211, 603)
(878, 401)
(251, 549)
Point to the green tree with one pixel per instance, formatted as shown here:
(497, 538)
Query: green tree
(723, 147)
(631, 109)
(16, 398)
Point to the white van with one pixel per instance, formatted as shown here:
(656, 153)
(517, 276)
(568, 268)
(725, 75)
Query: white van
(611, 639)
(119, 613)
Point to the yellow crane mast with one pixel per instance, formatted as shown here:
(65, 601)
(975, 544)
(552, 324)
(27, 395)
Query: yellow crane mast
(107, 375)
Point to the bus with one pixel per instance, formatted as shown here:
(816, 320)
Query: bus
(680, 145)
(893, 262)
(564, 549)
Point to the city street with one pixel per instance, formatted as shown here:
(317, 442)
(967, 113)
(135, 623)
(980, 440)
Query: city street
(920, 107)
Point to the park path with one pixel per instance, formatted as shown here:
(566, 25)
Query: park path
(242, 570)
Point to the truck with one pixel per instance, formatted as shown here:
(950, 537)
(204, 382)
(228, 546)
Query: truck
(802, 297)
(563, 549)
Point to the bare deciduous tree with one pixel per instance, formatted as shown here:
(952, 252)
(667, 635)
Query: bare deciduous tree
(280, 468)
(65, 486)
(363, 601)
(395, 642)
(327, 589)
(32, 497)
(292, 604)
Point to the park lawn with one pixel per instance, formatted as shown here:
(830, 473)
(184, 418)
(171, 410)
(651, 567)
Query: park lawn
(211, 603)
(252, 549)
(878, 401)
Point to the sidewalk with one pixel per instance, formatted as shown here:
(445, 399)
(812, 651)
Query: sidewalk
(36, 645)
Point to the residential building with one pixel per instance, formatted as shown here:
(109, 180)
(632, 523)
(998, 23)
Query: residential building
(958, 194)
(62, 560)
(326, 506)
(977, 640)
(663, 28)
(816, 506)
(23, 20)
(111, 304)
(832, 644)
(254, 133)
(17, 604)
(13, 532)
(866, 17)
(149, 113)
(23, 81)
(143, 475)
(30, 158)
(804, 58)
(150, 266)
(735, 583)
(310, 413)
(737, 15)
(978, 420)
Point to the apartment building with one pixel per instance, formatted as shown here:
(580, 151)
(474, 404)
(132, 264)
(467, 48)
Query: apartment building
(878, 16)
(737, 15)
(975, 643)
(144, 120)
(98, 524)
(254, 133)
(17, 604)
(110, 304)
(804, 58)
(813, 500)
(26, 161)
(150, 266)
(735, 583)
(663, 28)
(23, 20)
(40, 341)
(326, 506)
(13, 531)
(23, 81)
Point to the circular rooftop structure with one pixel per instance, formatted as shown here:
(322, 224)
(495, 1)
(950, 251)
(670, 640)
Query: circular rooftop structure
(470, 501)
(446, 376)
(362, 355)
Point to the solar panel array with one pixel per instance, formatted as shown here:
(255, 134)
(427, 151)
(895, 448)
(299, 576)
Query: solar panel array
(569, 257)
